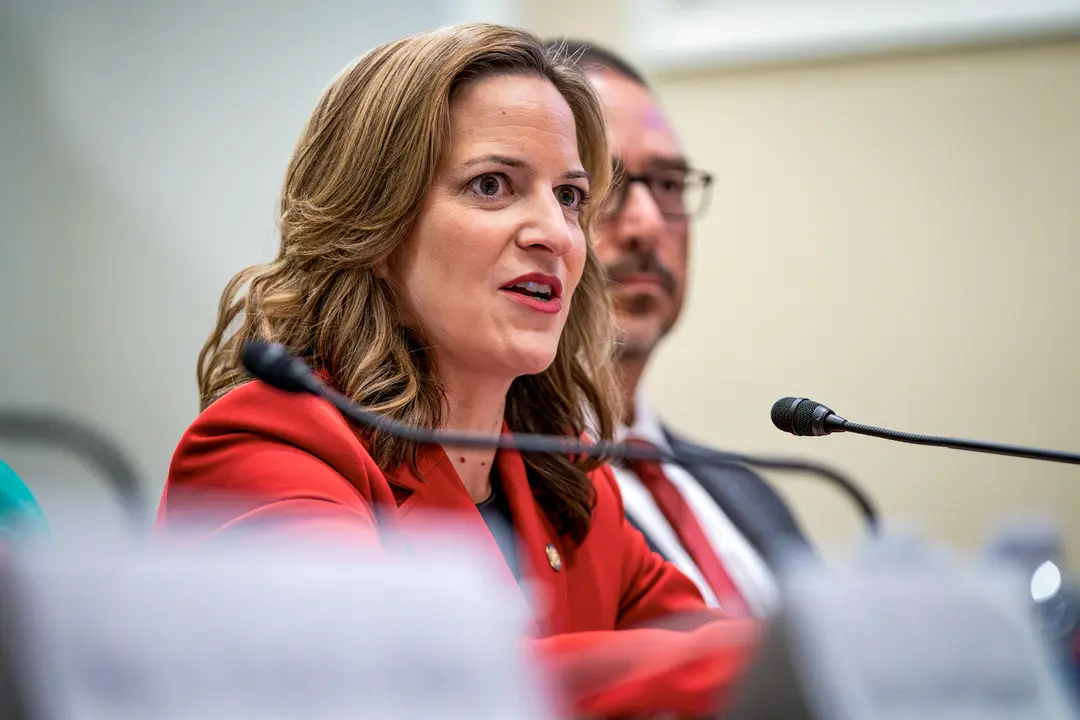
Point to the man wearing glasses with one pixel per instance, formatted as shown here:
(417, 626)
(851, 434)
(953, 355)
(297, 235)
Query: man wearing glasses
(721, 527)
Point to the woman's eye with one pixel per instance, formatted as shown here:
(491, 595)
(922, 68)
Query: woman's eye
(571, 196)
(488, 185)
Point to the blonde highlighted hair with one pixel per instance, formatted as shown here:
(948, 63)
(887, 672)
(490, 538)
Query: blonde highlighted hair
(353, 189)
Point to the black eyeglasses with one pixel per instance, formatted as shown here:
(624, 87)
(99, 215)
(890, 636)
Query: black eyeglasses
(679, 193)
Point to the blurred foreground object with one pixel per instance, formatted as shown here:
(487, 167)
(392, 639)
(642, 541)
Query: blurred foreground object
(906, 630)
(268, 631)
(20, 513)
(1037, 553)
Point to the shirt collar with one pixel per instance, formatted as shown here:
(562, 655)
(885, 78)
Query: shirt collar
(646, 425)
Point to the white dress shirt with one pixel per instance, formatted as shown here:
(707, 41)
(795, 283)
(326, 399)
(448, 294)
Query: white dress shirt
(743, 563)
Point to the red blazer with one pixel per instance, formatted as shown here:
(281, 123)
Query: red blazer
(259, 454)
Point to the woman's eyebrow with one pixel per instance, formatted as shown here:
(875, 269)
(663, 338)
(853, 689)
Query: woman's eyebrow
(520, 164)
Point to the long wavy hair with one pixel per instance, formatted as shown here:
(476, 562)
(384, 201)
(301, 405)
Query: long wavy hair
(354, 187)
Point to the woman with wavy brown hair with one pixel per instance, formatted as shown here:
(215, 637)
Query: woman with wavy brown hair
(436, 266)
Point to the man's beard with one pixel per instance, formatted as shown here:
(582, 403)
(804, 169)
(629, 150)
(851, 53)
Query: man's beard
(631, 349)
(639, 261)
(631, 346)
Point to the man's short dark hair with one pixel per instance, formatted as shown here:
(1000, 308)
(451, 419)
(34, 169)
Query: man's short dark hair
(591, 56)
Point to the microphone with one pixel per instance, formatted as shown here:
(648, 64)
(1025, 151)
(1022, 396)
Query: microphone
(52, 428)
(800, 416)
(274, 365)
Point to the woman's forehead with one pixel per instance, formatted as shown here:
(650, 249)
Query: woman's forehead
(507, 115)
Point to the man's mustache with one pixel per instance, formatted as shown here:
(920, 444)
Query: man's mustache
(640, 263)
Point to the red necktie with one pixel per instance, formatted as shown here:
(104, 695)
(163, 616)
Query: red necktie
(682, 520)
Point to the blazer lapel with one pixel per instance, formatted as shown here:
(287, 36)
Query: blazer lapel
(437, 487)
(540, 549)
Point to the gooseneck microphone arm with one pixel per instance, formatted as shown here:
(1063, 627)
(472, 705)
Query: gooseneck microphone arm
(1031, 453)
(273, 364)
(801, 416)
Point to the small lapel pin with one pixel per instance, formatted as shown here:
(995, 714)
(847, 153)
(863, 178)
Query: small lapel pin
(553, 557)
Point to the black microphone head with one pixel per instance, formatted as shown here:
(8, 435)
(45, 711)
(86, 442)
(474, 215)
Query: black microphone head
(783, 414)
(272, 363)
(798, 416)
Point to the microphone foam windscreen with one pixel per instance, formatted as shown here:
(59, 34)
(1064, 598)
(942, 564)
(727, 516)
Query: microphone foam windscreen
(782, 413)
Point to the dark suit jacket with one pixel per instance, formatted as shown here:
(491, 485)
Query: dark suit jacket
(751, 504)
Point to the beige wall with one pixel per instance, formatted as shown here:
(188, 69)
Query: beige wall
(143, 147)
(898, 237)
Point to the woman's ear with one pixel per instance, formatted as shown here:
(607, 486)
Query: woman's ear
(383, 267)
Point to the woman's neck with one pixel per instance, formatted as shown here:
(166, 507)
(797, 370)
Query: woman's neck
(474, 405)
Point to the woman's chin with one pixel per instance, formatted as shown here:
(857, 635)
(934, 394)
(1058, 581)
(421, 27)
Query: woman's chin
(531, 361)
